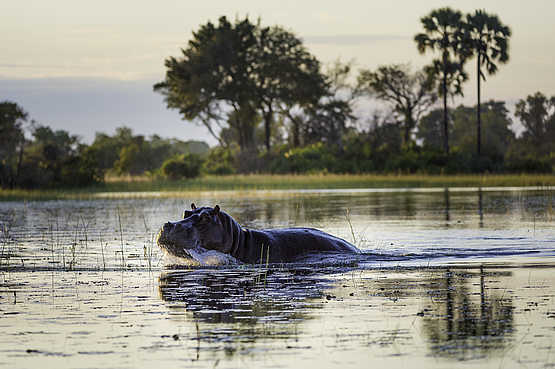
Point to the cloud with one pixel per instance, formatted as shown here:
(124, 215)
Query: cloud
(353, 39)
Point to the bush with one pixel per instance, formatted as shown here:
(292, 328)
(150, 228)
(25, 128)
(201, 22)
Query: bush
(219, 161)
(81, 170)
(182, 166)
(529, 164)
(315, 158)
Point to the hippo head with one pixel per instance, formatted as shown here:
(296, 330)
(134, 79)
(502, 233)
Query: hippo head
(200, 229)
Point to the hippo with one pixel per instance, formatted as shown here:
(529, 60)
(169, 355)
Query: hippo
(205, 229)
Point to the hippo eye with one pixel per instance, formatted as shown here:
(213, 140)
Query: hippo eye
(187, 214)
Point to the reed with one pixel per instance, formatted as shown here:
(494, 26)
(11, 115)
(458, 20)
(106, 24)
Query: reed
(102, 251)
(328, 181)
(121, 239)
(348, 218)
(249, 182)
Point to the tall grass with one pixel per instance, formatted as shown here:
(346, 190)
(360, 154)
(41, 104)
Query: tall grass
(121, 239)
(328, 181)
(285, 182)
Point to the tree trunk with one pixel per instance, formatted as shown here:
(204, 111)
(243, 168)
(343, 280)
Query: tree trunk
(406, 135)
(268, 127)
(445, 117)
(296, 133)
(409, 125)
(19, 161)
(478, 110)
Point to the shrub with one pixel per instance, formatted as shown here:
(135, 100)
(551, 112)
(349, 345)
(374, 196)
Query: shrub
(219, 161)
(182, 166)
(309, 159)
(529, 164)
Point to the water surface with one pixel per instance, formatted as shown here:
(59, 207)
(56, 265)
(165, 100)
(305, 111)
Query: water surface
(450, 277)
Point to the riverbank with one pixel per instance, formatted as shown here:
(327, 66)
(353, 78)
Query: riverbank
(285, 182)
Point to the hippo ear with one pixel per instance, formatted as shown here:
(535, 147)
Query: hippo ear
(187, 214)
(193, 206)
(216, 210)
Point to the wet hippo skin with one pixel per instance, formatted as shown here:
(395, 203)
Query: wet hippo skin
(207, 228)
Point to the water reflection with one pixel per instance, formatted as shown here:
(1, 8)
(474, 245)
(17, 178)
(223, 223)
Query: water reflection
(447, 207)
(464, 322)
(244, 296)
(480, 208)
(461, 316)
(234, 308)
(90, 233)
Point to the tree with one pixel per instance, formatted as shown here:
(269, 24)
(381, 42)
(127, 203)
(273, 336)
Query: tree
(12, 142)
(326, 119)
(51, 150)
(488, 39)
(498, 135)
(285, 74)
(443, 31)
(56, 158)
(239, 72)
(182, 166)
(409, 94)
(537, 114)
(211, 76)
(430, 129)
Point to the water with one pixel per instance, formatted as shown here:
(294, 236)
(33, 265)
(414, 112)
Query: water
(449, 277)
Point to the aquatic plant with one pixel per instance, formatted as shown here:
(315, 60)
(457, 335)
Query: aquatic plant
(121, 238)
(348, 217)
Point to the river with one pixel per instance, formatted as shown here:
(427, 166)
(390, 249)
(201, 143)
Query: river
(458, 277)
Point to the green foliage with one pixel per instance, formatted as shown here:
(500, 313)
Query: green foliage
(537, 114)
(529, 164)
(233, 73)
(263, 96)
(12, 141)
(57, 159)
(129, 154)
(487, 38)
(443, 32)
(522, 157)
(497, 136)
(219, 161)
(314, 158)
(182, 166)
(430, 129)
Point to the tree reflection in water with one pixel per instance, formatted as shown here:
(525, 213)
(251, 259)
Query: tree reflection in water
(246, 310)
(247, 306)
(463, 323)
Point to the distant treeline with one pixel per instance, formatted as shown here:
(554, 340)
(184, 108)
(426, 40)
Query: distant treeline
(274, 109)
(56, 158)
(45, 158)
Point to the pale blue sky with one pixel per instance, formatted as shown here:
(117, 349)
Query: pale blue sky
(88, 66)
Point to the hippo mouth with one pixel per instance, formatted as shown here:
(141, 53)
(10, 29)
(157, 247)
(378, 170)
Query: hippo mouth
(172, 248)
(193, 252)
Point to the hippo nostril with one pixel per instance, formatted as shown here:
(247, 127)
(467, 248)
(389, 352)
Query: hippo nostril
(167, 226)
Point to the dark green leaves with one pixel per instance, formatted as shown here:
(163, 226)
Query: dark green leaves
(232, 73)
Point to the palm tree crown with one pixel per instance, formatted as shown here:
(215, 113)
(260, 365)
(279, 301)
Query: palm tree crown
(444, 32)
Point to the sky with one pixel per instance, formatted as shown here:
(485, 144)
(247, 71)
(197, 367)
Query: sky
(89, 66)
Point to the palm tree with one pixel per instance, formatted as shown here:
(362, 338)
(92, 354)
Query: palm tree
(488, 39)
(443, 31)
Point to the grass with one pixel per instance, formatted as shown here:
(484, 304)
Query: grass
(252, 182)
